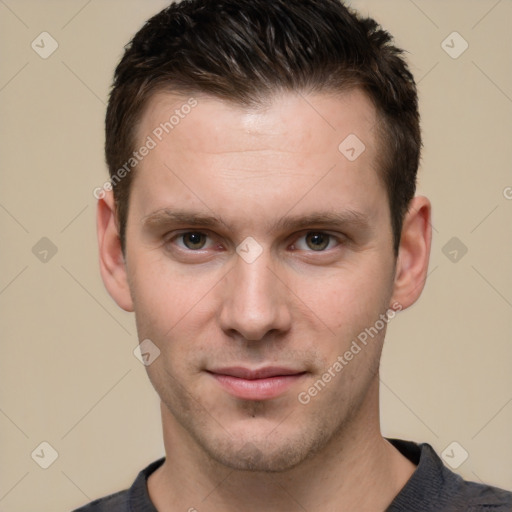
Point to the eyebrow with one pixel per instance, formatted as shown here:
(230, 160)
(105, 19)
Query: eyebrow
(345, 218)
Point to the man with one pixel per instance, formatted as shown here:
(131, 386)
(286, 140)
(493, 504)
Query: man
(261, 222)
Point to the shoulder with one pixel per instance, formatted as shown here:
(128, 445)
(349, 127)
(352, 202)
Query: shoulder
(434, 487)
(477, 497)
(118, 502)
(134, 498)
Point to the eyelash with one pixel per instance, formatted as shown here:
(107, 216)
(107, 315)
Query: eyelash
(180, 236)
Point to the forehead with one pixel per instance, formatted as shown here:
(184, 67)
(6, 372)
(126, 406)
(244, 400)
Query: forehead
(294, 149)
(319, 120)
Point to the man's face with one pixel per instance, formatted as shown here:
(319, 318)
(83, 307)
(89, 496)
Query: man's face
(254, 243)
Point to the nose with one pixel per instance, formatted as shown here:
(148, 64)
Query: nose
(255, 303)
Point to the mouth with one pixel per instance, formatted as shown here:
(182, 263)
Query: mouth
(260, 384)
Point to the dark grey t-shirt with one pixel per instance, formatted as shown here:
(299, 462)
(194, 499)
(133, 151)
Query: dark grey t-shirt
(431, 488)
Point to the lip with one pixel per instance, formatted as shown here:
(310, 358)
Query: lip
(260, 384)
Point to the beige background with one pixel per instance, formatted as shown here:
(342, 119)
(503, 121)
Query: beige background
(68, 374)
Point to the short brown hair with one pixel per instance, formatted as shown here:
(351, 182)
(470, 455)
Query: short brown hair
(244, 51)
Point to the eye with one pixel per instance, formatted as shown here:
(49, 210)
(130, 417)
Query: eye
(192, 240)
(316, 241)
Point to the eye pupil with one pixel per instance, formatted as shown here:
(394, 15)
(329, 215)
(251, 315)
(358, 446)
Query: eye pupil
(317, 241)
(194, 240)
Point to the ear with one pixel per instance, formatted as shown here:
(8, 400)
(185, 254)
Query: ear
(112, 262)
(414, 253)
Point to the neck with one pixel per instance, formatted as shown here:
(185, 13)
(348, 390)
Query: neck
(358, 470)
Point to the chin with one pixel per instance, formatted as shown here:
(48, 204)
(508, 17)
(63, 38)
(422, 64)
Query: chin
(257, 458)
(266, 453)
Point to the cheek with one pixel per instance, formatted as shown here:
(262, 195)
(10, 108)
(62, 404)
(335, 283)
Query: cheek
(163, 297)
(350, 298)
(175, 312)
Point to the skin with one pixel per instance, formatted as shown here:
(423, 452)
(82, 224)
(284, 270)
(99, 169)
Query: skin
(294, 306)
